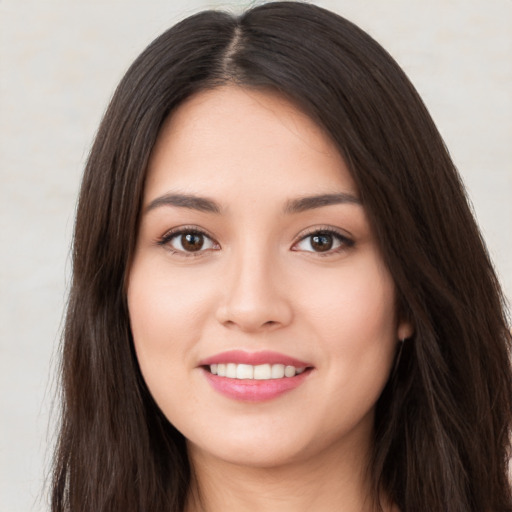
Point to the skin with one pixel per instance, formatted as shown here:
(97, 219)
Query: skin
(257, 284)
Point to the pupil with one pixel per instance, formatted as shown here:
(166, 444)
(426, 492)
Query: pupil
(192, 241)
(321, 242)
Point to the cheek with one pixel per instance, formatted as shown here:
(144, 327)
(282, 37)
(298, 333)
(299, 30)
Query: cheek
(355, 321)
(161, 301)
(358, 297)
(166, 316)
(355, 326)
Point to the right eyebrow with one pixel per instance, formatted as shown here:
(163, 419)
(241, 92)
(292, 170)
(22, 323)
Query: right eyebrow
(310, 202)
(203, 204)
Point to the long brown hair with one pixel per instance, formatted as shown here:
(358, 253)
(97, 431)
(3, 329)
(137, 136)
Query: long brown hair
(443, 421)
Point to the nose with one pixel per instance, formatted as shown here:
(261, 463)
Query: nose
(254, 298)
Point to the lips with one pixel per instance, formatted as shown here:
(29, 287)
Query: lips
(254, 359)
(254, 377)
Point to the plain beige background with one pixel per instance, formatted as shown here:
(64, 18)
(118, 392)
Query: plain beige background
(59, 63)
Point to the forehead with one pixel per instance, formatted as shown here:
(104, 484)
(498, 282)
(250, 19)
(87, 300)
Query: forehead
(250, 139)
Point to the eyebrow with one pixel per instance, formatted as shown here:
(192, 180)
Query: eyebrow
(202, 204)
(310, 202)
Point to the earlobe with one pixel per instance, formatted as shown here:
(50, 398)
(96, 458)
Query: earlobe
(405, 330)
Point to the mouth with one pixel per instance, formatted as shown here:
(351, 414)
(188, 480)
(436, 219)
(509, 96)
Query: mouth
(254, 377)
(254, 372)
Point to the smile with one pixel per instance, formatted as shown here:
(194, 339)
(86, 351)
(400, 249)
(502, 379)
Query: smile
(254, 377)
(259, 372)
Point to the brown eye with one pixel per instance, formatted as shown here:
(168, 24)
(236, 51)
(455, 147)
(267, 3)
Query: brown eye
(188, 241)
(322, 242)
(192, 242)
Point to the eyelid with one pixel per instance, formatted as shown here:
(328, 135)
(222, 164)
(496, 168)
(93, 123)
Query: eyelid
(165, 239)
(344, 238)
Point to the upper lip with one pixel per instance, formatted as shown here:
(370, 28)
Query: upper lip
(253, 358)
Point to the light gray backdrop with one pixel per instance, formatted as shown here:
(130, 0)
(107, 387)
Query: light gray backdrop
(59, 63)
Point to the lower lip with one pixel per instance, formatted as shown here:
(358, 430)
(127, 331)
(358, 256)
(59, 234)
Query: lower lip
(254, 390)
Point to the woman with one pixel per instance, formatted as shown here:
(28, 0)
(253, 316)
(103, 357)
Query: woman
(280, 297)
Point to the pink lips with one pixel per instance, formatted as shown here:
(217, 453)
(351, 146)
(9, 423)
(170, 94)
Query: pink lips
(254, 358)
(254, 390)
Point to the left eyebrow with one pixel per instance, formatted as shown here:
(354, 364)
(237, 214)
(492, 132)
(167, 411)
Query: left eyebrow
(310, 202)
(193, 202)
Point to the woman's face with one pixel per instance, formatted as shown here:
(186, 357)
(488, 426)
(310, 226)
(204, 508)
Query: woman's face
(255, 259)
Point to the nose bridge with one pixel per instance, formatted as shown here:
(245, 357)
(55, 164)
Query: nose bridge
(254, 296)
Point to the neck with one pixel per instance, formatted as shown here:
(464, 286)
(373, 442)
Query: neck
(334, 480)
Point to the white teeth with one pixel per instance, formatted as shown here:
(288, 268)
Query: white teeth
(262, 372)
(289, 371)
(277, 371)
(244, 371)
(259, 372)
(231, 371)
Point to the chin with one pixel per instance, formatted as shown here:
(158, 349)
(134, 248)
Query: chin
(270, 453)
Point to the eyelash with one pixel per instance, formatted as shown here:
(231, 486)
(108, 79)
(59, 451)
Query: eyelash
(165, 241)
(344, 241)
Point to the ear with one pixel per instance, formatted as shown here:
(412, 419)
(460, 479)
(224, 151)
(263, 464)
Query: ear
(405, 329)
